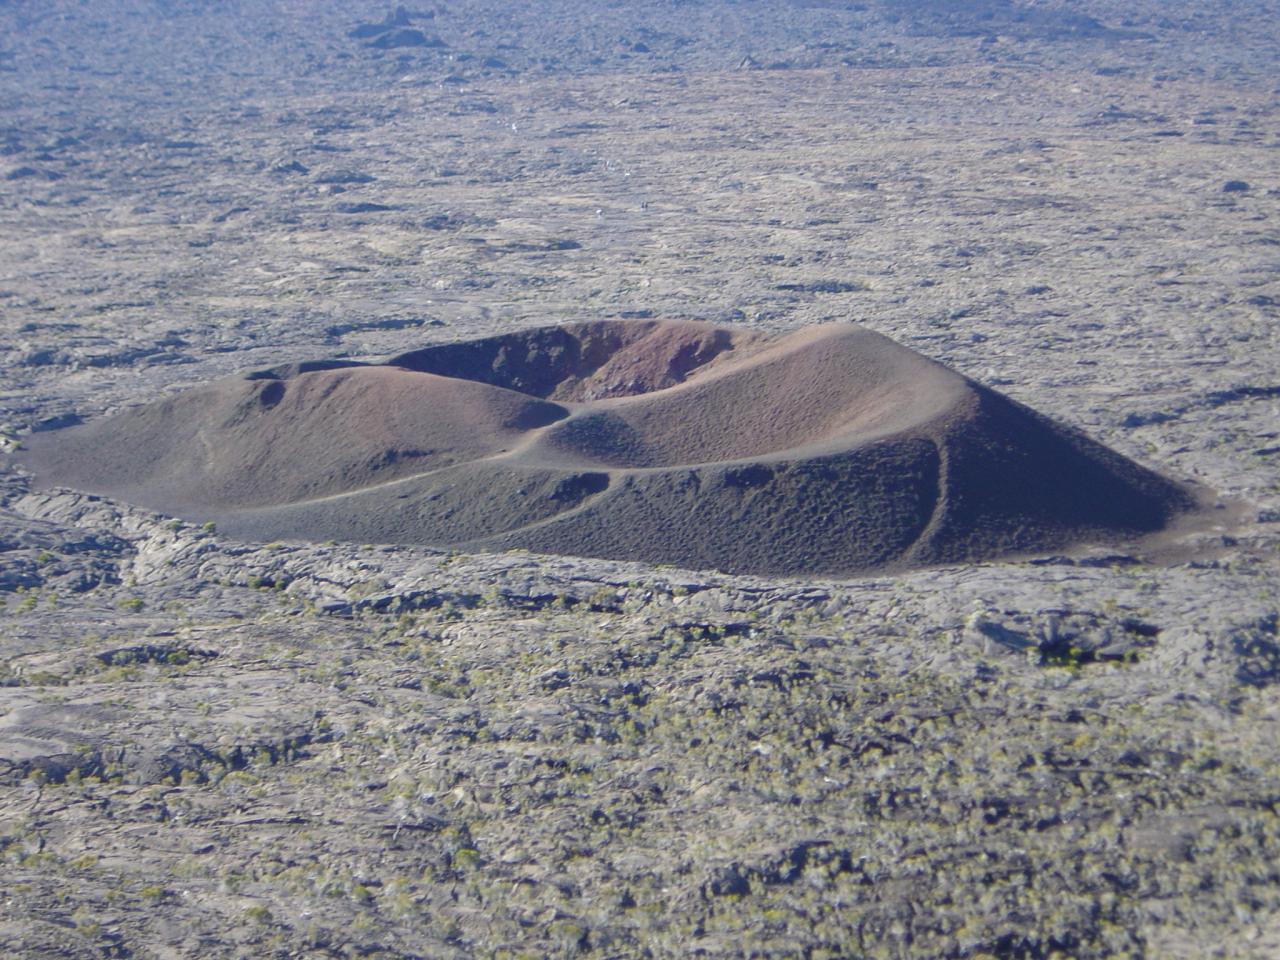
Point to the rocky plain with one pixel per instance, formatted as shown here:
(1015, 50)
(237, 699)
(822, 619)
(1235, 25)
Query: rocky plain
(214, 747)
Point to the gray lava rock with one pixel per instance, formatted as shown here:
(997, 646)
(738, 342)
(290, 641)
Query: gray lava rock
(405, 37)
(52, 741)
(344, 177)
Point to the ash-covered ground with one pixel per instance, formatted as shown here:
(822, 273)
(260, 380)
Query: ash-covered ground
(216, 748)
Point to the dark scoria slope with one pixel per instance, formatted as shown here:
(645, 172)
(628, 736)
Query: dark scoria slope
(828, 450)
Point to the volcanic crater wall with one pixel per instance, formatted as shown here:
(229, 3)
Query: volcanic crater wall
(828, 450)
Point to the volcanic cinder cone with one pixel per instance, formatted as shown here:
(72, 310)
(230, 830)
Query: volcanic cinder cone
(829, 450)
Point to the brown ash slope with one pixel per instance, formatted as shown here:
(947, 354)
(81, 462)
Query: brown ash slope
(828, 450)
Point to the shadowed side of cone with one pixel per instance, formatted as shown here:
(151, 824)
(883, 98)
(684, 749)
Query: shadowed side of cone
(835, 514)
(1014, 481)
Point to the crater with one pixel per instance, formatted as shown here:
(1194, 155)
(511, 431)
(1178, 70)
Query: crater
(829, 450)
